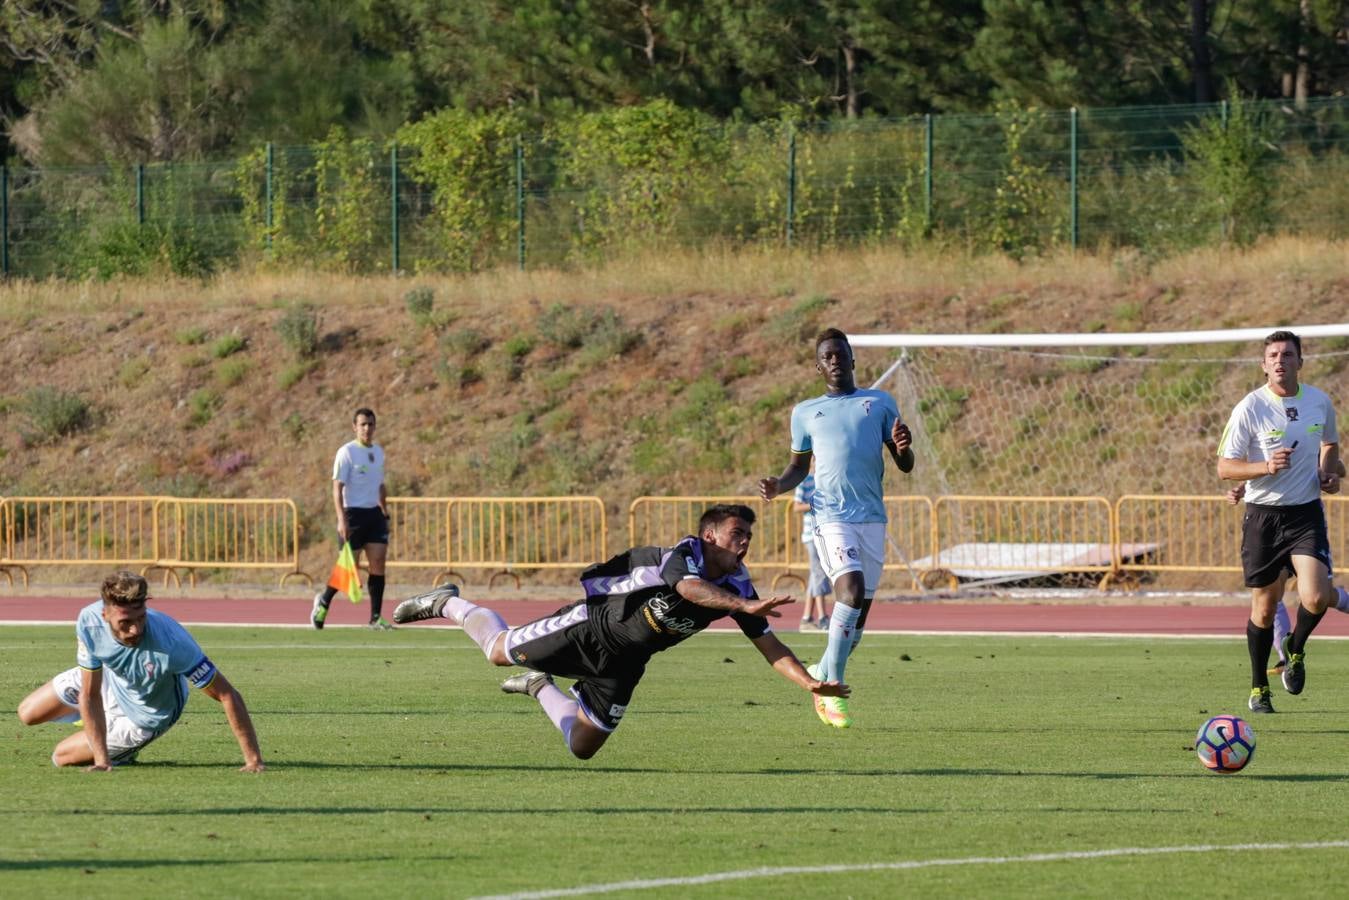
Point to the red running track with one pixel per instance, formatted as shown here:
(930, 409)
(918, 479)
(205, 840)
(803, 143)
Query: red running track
(1012, 617)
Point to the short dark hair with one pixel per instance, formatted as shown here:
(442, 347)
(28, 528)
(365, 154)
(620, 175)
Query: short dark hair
(363, 411)
(124, 589)
(1285, 336)
(715, 515)
(831, 334)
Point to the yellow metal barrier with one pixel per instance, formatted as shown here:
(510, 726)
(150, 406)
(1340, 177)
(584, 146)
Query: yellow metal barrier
(55, 531)
(662, 521)
(229, 534)
(506, 534)
(910, 535)
(419, 534)
(1007, 538)
(1182, 533)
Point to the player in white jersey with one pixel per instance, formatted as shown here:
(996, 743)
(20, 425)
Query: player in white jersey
(1282, 439)
(1282, 625)
(361, 502)
(848, 431)
(130, 684)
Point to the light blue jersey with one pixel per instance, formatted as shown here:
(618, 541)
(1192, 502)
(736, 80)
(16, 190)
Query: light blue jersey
(149, 680)
(847, 435)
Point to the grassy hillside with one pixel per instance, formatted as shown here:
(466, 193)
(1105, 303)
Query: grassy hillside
(670, 375)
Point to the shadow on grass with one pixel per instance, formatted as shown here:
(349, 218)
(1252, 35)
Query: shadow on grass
(90, 865)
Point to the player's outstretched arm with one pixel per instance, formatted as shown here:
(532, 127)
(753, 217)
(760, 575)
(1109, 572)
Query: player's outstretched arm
(784, 661)
(791, 476)
(241, 723)
(705, 593)
(95, 724)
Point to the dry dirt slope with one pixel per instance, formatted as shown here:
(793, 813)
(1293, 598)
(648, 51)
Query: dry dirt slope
(568, 384)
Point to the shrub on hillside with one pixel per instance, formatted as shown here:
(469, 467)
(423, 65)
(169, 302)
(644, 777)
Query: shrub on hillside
(54, 413)
(299, 330)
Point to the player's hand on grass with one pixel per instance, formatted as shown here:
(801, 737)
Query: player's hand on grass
(766, 606)
(830, 689)
(253, 767)
(106, 767)
(768, 488)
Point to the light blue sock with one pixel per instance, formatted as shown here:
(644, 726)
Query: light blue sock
(1342, 600)
(1281, 628)
(842, 625)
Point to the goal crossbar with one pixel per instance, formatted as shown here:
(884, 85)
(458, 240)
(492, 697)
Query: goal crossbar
(1095, 339)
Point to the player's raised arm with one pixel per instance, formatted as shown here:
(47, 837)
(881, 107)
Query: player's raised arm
(900, 445)
(241, 723)
(784, 661)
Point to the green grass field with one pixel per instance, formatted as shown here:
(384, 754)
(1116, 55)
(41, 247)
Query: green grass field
(397, 768)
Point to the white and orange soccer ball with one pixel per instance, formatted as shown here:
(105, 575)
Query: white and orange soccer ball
(1225, 744)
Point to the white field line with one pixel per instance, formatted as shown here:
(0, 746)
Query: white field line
(779, 871)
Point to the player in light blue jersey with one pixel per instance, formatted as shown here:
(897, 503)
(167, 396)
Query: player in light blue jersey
(130, 684)
(848, 431)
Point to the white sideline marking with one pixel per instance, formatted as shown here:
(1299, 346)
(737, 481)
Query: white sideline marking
(766, 872)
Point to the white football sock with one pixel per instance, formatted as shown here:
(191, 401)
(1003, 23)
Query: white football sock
(561, 709)
(483, 625)
(1281, 628)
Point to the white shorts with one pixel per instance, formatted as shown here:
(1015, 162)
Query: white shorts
(125, 738)
(852, 547)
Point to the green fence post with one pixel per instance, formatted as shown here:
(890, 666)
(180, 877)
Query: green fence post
(393, 206)
(1072, 175)
(791, 184)
(520, 201)
(140, 193)
(269, 196)
(4, 221)
(927, 173)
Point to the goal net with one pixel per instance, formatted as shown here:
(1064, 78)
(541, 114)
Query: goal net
(1082, 415)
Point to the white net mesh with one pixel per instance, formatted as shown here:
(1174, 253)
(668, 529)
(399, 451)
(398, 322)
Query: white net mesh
(1093, 422)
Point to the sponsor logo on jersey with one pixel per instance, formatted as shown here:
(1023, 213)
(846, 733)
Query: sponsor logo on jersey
(852, 553)
(819, 414)
(616, 711)
(657, 616)
(519, 657)
(866, 407)
(201, 673)
(149, 666)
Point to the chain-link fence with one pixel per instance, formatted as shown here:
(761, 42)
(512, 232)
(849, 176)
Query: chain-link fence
(1159, 179)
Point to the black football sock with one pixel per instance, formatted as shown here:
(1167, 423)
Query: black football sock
(375, 585)
(1306, 623)
(1259, 641)
(329, 593)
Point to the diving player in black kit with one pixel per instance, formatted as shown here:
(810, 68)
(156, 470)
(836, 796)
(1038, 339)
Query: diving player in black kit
(637, 604)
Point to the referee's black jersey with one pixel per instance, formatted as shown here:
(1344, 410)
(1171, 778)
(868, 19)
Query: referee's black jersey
(633, 603)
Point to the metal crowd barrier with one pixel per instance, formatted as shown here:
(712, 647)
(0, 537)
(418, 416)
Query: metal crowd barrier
(228, 534)
(77, 531)
(419, 534)
(508, 534)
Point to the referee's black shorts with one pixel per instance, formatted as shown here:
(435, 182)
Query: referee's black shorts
(366, 525)
(1272, 535)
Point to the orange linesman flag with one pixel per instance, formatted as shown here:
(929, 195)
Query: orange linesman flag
(344, 576)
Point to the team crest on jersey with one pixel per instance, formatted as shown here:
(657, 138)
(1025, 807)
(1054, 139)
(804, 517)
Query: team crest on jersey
(149, 668)
(1291, 412)
(866, 407)
(372, 455)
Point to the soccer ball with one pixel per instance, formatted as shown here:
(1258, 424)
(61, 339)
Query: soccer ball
(1225, 744)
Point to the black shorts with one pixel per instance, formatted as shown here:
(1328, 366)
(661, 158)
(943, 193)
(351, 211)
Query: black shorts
(564, 644)
(1272, 535)
(366, 525)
